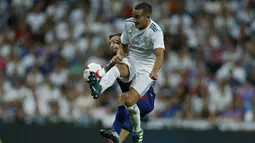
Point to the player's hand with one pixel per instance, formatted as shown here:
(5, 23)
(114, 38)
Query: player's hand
(154, 75)
(117, 59)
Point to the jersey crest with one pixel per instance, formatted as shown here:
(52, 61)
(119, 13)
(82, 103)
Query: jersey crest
(145, 39)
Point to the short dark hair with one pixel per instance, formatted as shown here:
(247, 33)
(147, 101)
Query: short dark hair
(116, 34)
(146, 7)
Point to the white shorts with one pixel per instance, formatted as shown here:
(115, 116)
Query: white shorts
(140, 79)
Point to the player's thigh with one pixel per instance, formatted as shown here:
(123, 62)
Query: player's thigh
(145, 105)
(132, 97)
(142, 83)
(110, 141)
(146, 102)
(123, 134)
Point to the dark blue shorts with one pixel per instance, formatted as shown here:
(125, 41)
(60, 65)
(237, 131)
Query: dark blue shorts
(145, 104)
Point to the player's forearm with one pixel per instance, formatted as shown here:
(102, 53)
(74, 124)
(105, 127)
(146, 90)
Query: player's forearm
(122, 50)
(159, 60)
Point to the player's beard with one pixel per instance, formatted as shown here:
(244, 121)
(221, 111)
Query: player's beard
(114, 50)
(140, 26)
(137, 25)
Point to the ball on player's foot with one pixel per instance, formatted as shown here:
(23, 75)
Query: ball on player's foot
(93, 67)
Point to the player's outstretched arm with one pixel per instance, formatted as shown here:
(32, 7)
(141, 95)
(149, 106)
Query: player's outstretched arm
(120, 54)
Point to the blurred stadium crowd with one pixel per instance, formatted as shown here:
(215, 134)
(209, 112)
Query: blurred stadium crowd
(208, 71)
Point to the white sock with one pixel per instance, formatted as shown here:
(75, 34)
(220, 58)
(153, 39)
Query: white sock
(109, 78)
(134, 114)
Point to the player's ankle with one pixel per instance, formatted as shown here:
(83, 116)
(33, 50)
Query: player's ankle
(137, 129)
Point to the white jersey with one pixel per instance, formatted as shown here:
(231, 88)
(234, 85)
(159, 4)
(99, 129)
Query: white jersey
(141, 43)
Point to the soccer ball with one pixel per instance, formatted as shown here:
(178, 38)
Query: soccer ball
(93, 67)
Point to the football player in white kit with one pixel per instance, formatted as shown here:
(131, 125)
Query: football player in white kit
(139, 59)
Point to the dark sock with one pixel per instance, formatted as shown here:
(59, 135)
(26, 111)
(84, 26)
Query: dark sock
(120, 118)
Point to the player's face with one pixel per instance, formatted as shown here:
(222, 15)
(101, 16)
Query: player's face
(114, 44)
(139, 18)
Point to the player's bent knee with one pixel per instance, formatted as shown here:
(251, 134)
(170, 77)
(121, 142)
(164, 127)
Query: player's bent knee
(133, 110)
(123, 69)
(129, 102)
(132, 97)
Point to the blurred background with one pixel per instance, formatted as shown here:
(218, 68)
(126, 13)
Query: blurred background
(207, 80)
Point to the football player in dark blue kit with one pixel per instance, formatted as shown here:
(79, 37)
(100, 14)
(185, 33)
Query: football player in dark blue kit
(122, 125)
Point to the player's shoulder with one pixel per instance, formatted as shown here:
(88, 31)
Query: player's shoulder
(154, 27)
(129, 20)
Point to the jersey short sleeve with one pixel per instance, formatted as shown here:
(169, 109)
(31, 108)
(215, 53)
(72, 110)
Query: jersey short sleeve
(158, 39)
(124, 35)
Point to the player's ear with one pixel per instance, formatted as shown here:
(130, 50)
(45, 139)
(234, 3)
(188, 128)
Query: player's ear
(148, 18)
